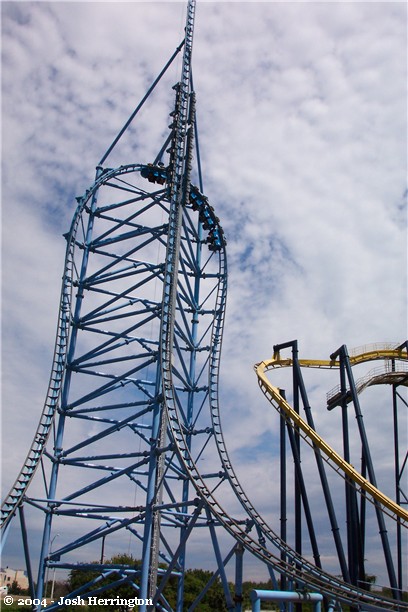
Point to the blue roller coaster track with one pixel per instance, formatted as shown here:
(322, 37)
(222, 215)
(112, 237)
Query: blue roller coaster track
(132, 406)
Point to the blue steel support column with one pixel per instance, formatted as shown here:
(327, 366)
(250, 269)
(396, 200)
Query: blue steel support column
(64, 400)
(179, 184)
(322, 473)
(397, 481)
(363, 512)
(397, 473)
(351, 504)
(192, 365)
(186, 484)
(239, 566)
(221, 568)
(150, 496)
(296, 445)
(284, 596)
(172, 564)
(26, 552)
(371, 474)
(294, 439)
(283, 504)
(303, 496)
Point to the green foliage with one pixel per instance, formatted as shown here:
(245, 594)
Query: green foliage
(79, 577)
(14, 588)
(194, 582)
(388, 593)
(60, 589)
(15, 607)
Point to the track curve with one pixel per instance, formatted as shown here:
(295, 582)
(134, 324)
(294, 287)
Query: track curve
(276, 399)
(268, 541)
(310, 576)
(17, 492)
(34, 456)
(180, 195)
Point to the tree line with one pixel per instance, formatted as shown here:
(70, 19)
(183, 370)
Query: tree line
(195, 581)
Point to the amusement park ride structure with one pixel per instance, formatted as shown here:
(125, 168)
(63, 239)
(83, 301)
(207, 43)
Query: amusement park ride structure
(132, 405)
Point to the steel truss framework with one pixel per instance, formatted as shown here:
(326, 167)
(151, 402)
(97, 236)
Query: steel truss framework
(360, 486)
(132, 407)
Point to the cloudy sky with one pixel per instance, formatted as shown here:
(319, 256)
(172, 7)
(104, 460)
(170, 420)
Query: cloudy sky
(302, 114)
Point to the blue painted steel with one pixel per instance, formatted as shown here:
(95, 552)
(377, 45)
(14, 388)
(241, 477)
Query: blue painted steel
(181, 241)
(355, 559)
(239, 571)
(257, 596)
(221, 569)
(283, 492)
(370, 469)
(31, 585)
(179, 186)
(134, 387)
(90, 362)
(141, 103)
(321, 469)
(400, 495)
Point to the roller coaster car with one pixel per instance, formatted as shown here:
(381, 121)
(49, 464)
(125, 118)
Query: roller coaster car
(208, 218)
(154, 174)
(196, 199)
(215, 239)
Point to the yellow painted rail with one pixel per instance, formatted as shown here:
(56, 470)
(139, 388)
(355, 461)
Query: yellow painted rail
(276, 399)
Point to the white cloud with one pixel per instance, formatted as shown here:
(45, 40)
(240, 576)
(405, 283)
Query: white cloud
(302, 121)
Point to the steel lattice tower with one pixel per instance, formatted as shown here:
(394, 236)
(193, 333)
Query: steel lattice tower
(132, 406)
(139, 334)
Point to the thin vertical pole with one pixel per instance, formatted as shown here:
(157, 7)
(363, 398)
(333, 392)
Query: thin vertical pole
(322, 474)
(283, 501)
(192, 373)
(239, 565)
(363, 506)
(397, 476)
(370, 470)
(179, 185)
(221, 568)
(26, 551)
(349, 487)
(64, 399)
(298, 474)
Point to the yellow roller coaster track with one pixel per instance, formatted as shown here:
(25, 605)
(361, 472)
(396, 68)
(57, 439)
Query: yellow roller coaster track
(273, 393)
